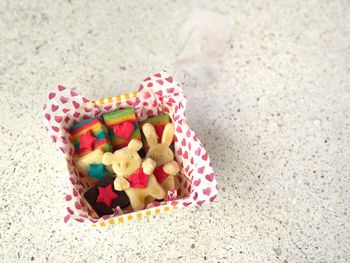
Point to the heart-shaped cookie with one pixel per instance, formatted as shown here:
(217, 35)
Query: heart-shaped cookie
(124, 129)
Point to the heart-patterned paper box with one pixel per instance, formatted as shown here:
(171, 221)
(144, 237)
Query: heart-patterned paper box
(157, 94)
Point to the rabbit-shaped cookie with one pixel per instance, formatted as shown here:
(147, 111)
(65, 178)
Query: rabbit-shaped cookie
(166, 168)
(134, 176)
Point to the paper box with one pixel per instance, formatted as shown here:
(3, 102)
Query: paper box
(157, 94)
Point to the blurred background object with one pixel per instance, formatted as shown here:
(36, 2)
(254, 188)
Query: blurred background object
(202, 41)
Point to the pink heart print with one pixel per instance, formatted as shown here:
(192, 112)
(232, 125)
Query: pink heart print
(170, 90)
(187, 203)
(48, 116)
(147, 95)
(107, 108)
(61, 88)
(201, 170)
(205, 156)
(169, 79)
(66, 218)
(76, 104)
(55, 128)
(207, 191)
(63, 99)
(58, 119)
(52, 95)
(54, 107)
(73, 93)
(198, 151)
(211, 199)
(210, 177)
(200, 202)
(197, 182)
(185, 155)
(70, 211)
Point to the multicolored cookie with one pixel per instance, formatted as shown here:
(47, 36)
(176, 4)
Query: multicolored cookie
(122, 126)
(103, 198)
(90, 165)
(158, 123)
(89, 135)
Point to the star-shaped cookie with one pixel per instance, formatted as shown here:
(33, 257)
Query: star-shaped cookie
(87, 141)
(106, 195)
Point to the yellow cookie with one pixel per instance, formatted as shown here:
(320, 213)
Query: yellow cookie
(134, 176)
(166, 168)
(83, 164)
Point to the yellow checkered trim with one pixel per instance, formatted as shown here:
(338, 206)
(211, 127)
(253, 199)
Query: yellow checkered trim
(135, 215)
(115, 98)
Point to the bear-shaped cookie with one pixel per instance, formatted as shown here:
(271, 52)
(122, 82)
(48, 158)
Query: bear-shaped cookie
(166, 168)
(133, 175)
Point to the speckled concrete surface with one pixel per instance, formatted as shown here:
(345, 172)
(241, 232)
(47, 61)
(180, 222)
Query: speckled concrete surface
(276, 125)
